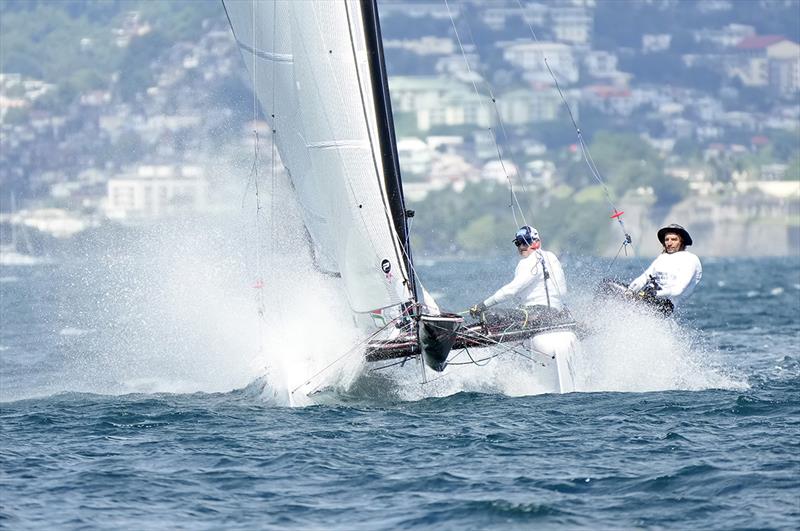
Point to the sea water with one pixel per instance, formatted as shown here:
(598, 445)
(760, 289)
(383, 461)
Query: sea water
(183, 391)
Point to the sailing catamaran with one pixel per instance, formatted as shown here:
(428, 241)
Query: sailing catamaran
(319, 74)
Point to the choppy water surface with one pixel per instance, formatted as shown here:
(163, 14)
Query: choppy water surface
(162, 401)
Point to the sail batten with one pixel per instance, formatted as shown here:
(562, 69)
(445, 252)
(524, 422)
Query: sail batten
(339, 144)
(277, 57)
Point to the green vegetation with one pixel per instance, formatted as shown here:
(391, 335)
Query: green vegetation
(626, 162)
(480, 219)
(73, 42)
(45, 42)
(793, 172)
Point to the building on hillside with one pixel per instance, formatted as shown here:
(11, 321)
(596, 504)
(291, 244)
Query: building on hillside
(727, 37)
(458, 66)
(784, 68)
(421, 9)
(530, 57)
(457, 109)
(428, 45)
(767, 61)
(495, 17)
(656, 42)
(499, 172)
(572, 24)
(609, 99)
(525, 106)
(539, 172)
(452, 168)
(415, 156)
(154, 192)
(412, 93)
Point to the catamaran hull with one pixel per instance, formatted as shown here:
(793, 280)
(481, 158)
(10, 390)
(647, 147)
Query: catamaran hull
(552, 342)
(560, 348)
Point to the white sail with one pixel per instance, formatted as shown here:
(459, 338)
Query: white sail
(309, 64)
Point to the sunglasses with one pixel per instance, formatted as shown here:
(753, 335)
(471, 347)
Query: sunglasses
(520, 243)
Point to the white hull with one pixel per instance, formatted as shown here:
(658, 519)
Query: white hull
(561, 349)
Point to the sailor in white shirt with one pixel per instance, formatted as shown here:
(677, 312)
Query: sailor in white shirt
(676, 271)
(538, 277)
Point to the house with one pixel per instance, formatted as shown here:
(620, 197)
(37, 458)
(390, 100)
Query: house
(767, 61)
(495, 17)
(656, 42)
(457, 109)
(428, 45)
(499, 172)
(531, 56)
(415, 156)
(525, 106)
(412, 93)
(727, 37)
(421, 9)
(571, 24)
(609, 99)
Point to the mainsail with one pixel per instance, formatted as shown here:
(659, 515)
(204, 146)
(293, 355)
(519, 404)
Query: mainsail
(317, 70)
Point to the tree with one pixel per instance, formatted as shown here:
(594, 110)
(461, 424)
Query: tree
(793, 171)
(135, 72)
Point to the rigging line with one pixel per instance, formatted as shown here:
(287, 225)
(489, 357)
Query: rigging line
(621, 247)
(254, 174)
(395, 364)
(584, 149)
(473, 361)
(273, 168)
(497, 113)
(477, 363)
(490, 340)
(489, 129)
(349, 351)
(495, 342)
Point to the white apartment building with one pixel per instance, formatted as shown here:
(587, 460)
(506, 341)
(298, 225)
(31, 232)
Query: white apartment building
(525, 106)
(456, 109)
(530, 56)
(411, 93)
(727, 37)
(154, 192)
(415, 156)
(768, 60)
(784, 68)
(572, 25)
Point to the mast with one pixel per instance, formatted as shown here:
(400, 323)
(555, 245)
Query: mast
(386, 135)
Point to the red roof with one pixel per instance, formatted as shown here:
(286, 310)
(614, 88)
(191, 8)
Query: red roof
(758, 42)
(759, 140)
(608, 91)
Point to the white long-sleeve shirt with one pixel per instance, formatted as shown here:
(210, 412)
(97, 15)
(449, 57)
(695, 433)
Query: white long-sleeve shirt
(528, 285)
(677, 274)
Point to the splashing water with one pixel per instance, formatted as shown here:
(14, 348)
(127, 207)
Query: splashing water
(631, 349)
(210, 306)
